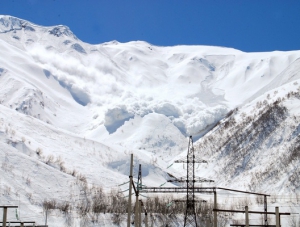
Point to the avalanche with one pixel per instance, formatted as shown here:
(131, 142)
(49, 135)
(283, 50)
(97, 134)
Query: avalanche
(72, 111)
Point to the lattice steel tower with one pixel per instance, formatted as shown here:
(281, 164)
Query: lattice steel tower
(190, 213)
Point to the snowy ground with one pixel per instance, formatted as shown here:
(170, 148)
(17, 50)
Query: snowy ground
(70, 106)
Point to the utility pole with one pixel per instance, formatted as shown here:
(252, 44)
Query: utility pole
(137, 205)
(136, 190)
(136, 216)
(139, 187)
(140, 213)
(130, 191)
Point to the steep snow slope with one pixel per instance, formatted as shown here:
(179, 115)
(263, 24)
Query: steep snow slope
(185, 83)
(257, 146)
(76, 111)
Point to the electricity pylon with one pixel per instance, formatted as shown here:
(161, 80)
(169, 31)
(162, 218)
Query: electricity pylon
(190, 213)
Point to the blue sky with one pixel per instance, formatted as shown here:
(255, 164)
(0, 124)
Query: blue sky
(247, 25)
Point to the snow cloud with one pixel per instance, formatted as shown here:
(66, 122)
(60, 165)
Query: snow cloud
(124, 92)
(191, 117)
(80, 77)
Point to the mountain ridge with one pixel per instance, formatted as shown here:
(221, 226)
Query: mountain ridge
(74, 112)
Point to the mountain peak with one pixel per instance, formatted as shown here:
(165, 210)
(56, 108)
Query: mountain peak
(10, 23)
(61, 30)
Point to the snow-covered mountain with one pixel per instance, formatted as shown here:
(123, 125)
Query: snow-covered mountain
(71, 110)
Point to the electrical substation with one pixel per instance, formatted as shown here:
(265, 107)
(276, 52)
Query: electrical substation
(190, 219)
(189, 189)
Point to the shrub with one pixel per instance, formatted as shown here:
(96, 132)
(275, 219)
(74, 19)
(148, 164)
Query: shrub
(49, 159)
(49, 204)
(38, 151)
(65, 207)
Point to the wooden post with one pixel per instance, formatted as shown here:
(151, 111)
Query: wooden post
(246, 216)
(136, 214)
(130, 192)
(266, 210)
(140, 213)
(46, 215)
(146, 219)
(215, 207)
(4, 216)
(277, 217)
